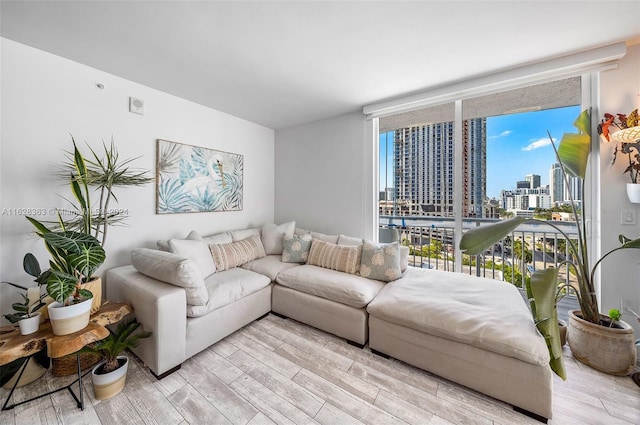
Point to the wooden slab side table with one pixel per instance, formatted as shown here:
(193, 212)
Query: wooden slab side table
(14, 346)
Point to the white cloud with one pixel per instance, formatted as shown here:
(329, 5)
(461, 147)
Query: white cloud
(536, 144)
(503, 134)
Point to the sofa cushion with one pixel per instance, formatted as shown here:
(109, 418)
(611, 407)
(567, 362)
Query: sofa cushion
(218, 238)
(317, 235)
(163, 244)
(333, 285)
(229, 255)
(481, 312)
(349, 240)
(296, 248)
(380, 261)
(269, 266)
(195, 250)
(335, 257)
(173, 269)
(272, 236)
(226, 287)
(238, 235)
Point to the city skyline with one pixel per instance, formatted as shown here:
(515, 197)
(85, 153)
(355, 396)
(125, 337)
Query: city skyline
(517, 145)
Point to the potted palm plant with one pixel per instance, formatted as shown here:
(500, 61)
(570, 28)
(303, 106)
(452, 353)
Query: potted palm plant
(572, 154)
(109, 376)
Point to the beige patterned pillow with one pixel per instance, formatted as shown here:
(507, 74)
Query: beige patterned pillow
(335, 257)
(234, 254)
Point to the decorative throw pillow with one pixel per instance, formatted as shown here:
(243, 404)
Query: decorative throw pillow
(336, 257)
(195, 250)
(272, 236)
(296, 248)
(234, 254)
(173, 269)
(380, 262)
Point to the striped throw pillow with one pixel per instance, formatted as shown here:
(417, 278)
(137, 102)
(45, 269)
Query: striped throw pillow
(234, 254)
(335, 257)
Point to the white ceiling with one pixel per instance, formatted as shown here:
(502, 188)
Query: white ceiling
(280, 63)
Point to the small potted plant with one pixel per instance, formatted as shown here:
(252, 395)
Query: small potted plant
(109, 376)
(26, 312)
(628, 137)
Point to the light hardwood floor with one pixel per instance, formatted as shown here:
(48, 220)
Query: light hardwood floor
(280, 371)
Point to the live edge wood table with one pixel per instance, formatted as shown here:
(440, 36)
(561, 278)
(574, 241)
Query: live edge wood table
(14, 346)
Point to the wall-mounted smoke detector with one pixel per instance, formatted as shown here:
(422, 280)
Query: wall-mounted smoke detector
(136, 105)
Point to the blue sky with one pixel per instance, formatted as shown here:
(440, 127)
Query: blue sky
(517, 145)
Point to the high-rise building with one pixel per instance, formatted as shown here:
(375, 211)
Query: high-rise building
(533, 179)
(559, 191)
(424, 168)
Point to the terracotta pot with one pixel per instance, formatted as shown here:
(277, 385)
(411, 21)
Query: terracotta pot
(562, 326)
(607, 349)
(66, 320)
(109, 384)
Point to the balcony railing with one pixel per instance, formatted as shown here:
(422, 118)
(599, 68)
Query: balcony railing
(532, 247)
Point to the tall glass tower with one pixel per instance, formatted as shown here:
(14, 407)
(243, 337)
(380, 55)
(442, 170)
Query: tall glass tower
(424, 168)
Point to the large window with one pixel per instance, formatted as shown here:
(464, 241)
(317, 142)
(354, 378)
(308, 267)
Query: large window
(453, 166)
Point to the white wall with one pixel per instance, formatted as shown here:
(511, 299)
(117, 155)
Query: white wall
(324, 173)
(45, 98)
(619, 93)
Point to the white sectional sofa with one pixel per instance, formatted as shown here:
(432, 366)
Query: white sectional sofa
(192, 293)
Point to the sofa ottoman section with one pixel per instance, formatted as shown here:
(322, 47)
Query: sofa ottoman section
(474, 331)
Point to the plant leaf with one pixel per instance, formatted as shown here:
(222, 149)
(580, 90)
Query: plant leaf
(543, 289)
(31, 265)
(574, 149)
(478, 239)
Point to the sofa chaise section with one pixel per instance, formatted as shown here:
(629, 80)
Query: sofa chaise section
(474, 331)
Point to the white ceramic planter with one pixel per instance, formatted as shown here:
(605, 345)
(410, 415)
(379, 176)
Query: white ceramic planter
(109, 384)
(66, 320)
(29, 325)
(633, 192)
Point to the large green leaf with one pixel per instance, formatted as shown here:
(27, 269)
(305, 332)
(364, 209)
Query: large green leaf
(574, 149)
(543, 288)
(61, 285)
(87, 260)
(476, 240)
(71, 242)
(629, 243)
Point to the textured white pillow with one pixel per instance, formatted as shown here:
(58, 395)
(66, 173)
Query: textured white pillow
(349, 240)
(173, 269)
(196, 251)
(219, 238)
(238, 235)
(272, 236)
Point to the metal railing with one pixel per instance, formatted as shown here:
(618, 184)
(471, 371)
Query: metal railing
(514, 259)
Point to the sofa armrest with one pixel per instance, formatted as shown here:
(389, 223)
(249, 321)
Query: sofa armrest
(161, 308)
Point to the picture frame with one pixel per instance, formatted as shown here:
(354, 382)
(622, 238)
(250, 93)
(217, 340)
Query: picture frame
(192, 179)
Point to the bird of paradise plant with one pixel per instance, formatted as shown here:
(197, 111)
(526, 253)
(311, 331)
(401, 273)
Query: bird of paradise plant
(543, 290)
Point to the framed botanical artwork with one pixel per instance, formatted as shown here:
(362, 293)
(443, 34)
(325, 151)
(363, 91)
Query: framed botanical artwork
(196, 179)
